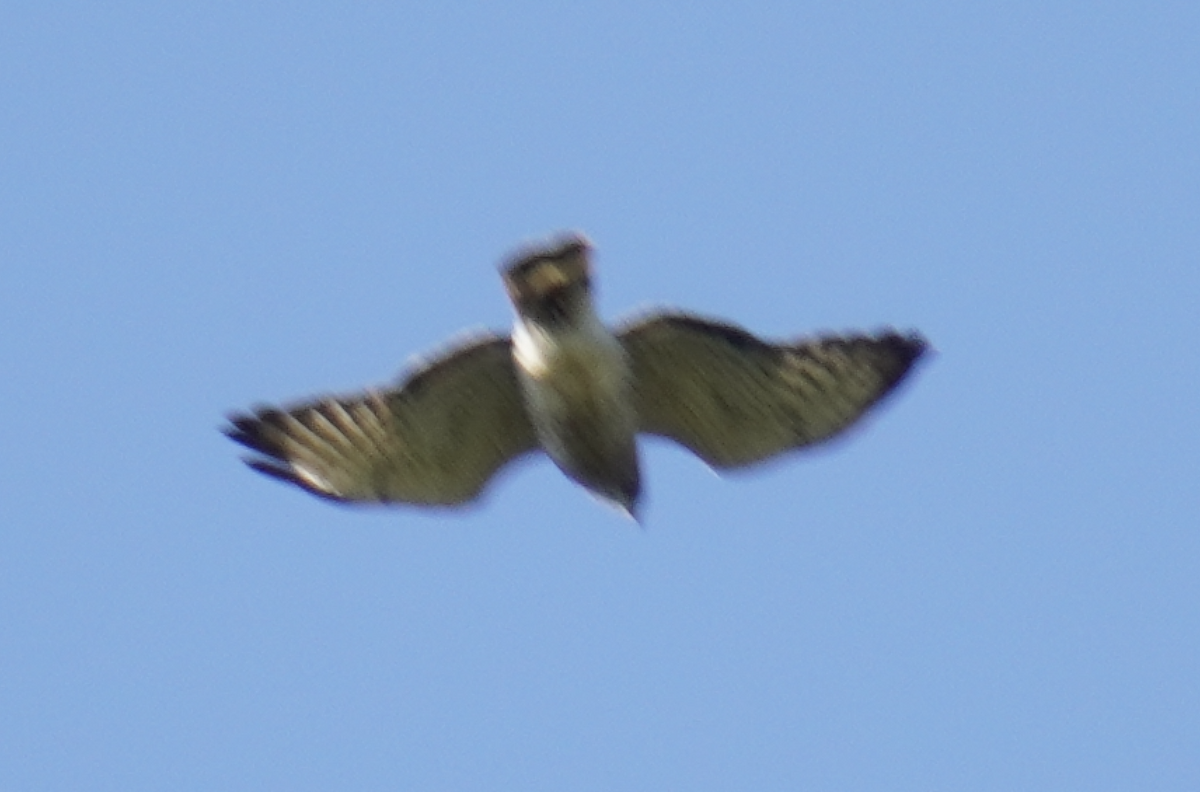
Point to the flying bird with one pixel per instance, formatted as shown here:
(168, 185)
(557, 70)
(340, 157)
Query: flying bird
(566, 384)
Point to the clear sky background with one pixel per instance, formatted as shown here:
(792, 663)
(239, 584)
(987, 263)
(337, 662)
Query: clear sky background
(995, 585)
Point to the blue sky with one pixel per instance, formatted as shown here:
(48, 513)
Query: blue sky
(994, 585)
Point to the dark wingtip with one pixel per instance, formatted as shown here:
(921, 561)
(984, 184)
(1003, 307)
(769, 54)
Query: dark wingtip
(288, 476)
(239, 428)
(904, 350)
(273, 470)
(248, 429)
(908, 347)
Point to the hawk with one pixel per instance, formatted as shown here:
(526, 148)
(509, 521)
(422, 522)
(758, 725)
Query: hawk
(565, 384)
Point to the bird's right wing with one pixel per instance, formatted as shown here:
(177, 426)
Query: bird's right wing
(437, 438)
(734, 399)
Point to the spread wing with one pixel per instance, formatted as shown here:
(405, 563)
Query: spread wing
(434, 439)
(734, 399)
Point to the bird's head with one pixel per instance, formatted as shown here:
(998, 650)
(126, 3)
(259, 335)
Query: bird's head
(550, 284)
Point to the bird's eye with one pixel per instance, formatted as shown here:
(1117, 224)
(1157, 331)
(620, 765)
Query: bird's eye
(556, 308)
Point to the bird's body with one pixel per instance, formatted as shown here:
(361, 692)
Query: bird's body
(578, 388)
(566, 384)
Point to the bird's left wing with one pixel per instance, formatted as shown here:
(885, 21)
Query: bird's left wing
(735, 399)
(435, 439)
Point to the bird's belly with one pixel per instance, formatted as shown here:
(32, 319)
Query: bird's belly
(581, 390)
(580, 404)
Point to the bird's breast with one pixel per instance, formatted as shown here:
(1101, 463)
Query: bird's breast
(578, 392)
(571, 372)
